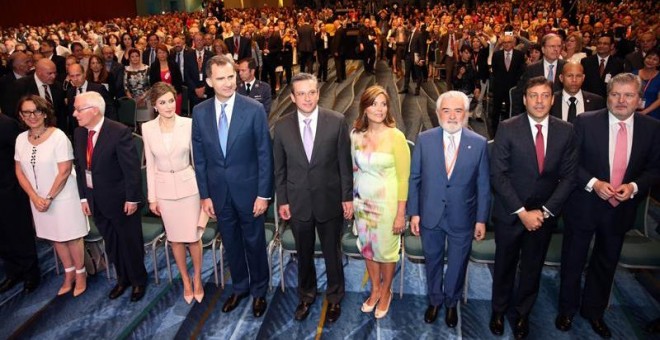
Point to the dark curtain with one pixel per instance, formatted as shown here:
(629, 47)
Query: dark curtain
(39, 12)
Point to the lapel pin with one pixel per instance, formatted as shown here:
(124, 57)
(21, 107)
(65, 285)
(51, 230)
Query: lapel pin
(469, 146)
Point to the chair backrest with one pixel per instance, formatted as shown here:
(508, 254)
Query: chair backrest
(139, 145)
(127, 111)
(641, 218)
(512, 96)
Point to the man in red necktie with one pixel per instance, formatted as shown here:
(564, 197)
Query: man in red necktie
(614, 175)
(533, 164)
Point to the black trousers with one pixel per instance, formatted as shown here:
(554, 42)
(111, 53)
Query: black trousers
(499, 97)
(268, 73)
(514, 244)
(17, 247)
(340, 65)
(329, 232)
(411, 71)
(306, 62)
(323, 65)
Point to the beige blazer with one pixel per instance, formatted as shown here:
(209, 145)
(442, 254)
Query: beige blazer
(170, 174)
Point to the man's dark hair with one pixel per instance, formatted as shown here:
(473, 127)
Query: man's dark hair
(537, 81)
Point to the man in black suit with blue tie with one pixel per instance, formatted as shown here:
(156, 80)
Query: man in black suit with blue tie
(532, 168)
(572, 101)
(619, 161)
(252, 87)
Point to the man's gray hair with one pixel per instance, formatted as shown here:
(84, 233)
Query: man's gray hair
(626, 78)
(93, 99)
(302, 76)
(455, 94)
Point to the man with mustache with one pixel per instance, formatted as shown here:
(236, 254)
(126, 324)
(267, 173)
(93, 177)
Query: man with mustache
(533, 163)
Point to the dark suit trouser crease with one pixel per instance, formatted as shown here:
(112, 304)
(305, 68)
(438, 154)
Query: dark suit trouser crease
(125, 246)
(306, 62)
(304, 233)
(601, 269)
(514, 243)
(459, 243)
(244, 239)
(268, 73)
(411, 72)
(340, 65)
(323, 66)
(496, 115)
(449, 62)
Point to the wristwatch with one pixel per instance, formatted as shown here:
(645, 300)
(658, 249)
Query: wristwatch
(49, 198)
(546, 214)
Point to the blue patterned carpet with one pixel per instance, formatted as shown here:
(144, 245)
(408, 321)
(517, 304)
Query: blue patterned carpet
(163, 314)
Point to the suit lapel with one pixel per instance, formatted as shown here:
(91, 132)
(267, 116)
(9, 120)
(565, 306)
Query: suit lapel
(213, 123)
(100, 145)
(298, 137)
(237, 122)
(442, 164)
(552, 149)
(636, 140)
(528, 139)
(464, 148)
(603, 141)
(322, 121)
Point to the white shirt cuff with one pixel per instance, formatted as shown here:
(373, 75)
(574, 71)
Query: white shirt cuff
(590, 185)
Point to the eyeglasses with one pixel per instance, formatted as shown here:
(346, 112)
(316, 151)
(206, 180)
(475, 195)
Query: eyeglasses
(83, 108)
(301, 94)
(35, 113)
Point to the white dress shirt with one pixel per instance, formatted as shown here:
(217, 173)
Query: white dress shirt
(546, 69)
(228, 109)
(40, 87)
(566, 102)
(314, 116)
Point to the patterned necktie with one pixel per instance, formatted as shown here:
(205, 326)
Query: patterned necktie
(551, 73)
(601, 67)
(247, 88)
(540, 148)
(90, 148)
(236, 45)
(572, 109)
(507, 60)
(450, 155)
(223, 129)
(200, 60)
(620, 161)
(308, 138)
(152, 56)
(47, 94)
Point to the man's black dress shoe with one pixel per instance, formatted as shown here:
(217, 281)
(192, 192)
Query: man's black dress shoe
(600, 327)
(431, 313)
(30, 285)
(496, 324)
(8, 284)
(334, 312)
(403, 91)
(302, 311)
(563, 322)
(259, 306)
(232, 302)
(117, 291)
(138, 293)
(521, 330)
(653, 326)
(451, 317)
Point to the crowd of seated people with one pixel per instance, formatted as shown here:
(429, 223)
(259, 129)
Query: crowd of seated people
(544, 66)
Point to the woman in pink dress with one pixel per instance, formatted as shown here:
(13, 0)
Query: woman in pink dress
(166, 70)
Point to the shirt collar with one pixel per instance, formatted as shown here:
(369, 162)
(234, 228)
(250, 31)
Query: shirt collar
(566, 96)
(314, 116)
(40, 84)
(98, 125)
(456, 135)
(613, 120)
(229, 102)
(533, 123)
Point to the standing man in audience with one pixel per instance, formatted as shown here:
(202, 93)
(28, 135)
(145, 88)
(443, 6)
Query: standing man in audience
(20, 66)
(252, 87)
(449, 207)
(47, 49)
(177, 54)
(414, 57)
(239, 46)
(271, 56)
(17, 248)
(314, 185)
(149, 53)
(79, 84)
(195, 78)
(619, 161)
(110, 188)
(572, 101)
(306, 45)
(449, 52)
(601, 67)
(337, 49)
(549, 66)
(115, 69)
(532, 168)
(44, 85)
(234, 170)
(323, 48)
(508, 65)
(635, 60)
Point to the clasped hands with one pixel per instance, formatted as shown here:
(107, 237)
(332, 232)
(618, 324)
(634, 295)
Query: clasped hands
(479, 228)
(605, 191)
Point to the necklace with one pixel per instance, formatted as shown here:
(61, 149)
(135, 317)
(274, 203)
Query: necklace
(36, 136)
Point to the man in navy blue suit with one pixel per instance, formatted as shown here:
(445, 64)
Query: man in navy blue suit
(448, 206)
(234, 170)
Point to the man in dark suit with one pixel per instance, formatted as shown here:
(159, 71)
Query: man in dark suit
(271, 56)
(306, 46)
(323, 48)
(549, 66)
(572, 101)
(19, 63)
(597, 76)
(508, 65)
(464, 192)
(81, 85)
(532, 168)
(337, 50)
(17, 247)
(314, 185)
(195, 78)
(619, 161)
(116, 71)
(239, 46)
(47, 49)
(234, 170)
(252, 87)
(635, 60)
(177, 54)
(415, 57)
(448, 47)
(110, 188)
(149, 54)
(43, 84)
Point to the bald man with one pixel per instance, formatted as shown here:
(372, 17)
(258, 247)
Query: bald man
(20, 66)
(43, 84)
(572, 100)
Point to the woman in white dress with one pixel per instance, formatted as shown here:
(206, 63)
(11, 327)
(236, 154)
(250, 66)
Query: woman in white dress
(44, 159)
(171, 186)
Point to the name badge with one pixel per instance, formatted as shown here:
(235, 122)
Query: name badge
(235, 56)
(642, 105)
(608, 77)
(88, 179)
(201, 76)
